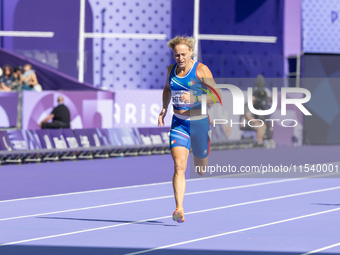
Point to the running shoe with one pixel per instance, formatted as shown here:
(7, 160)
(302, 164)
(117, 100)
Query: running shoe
(178, 215)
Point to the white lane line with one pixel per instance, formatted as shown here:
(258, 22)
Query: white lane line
(235, 231)
(81, 231)
(101, 190)
(120, 188)
(149, 199)
(322, 249)
(155, 184)
(164, 217)
(85, 192)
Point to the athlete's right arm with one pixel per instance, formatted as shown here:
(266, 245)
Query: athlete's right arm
(166, 99)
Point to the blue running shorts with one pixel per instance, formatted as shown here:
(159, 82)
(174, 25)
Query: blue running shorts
(194, 131)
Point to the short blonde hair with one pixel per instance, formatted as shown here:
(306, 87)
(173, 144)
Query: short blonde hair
(186, 40)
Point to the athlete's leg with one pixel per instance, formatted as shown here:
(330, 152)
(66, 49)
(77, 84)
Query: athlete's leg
(180, 146)
(200, 143)
(180, 156)
(200, 165)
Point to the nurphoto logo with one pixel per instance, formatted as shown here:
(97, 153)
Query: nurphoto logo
(239, 104)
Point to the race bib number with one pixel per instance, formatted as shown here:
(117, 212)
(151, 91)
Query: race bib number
(177, 101)
(176, 98)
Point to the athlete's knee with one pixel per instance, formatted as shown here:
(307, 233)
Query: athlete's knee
(180, 164)
(200, 169)
(201, 165)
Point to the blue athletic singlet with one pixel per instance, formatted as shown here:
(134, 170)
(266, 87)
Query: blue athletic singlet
(189, 83)
(188, 131)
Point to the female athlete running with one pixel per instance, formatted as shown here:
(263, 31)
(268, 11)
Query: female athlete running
(186, 81)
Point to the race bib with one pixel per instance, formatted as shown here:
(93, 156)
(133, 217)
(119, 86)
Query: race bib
(176, 98)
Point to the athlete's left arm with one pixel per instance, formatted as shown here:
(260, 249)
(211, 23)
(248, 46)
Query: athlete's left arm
(205, 75)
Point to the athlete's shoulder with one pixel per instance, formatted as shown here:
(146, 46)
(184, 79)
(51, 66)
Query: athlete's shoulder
(170, 67)
(168, 75)
(202, 66)
(203, 70)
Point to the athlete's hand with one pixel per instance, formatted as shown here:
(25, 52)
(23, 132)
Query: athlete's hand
(161, 118)
(187, 97)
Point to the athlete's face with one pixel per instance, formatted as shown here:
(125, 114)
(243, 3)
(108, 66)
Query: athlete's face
(182, 55)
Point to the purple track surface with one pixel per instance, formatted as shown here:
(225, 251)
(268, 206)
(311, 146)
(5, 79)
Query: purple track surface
(17, 181)
(107, 215)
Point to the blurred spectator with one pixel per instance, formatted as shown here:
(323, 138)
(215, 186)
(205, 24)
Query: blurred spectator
(60, 115)
(262, 99)
(17, 74)
(0, 71)
(29, 79)
(260, 127)
(7, 79)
